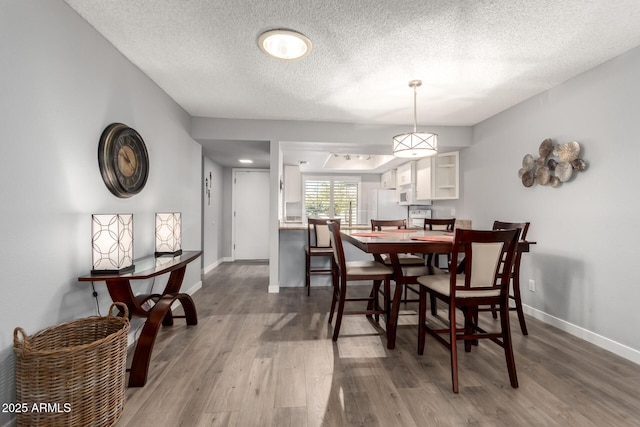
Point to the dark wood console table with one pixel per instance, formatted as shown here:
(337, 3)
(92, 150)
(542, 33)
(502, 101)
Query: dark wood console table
(119, 286)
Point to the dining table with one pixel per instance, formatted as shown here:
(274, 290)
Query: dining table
(400, 241)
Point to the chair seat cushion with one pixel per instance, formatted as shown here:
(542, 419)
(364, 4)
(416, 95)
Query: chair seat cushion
(440, 284)
(421, 270)
(365, 268)
(318, 251)
(405, 259)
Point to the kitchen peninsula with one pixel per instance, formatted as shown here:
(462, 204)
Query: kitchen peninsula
(293, 237)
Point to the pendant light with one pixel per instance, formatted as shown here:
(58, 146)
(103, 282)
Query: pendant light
(415, 144)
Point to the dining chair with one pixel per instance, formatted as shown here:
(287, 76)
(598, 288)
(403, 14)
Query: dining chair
(404, 259)
(318, 245)
(514, 293)
(349, 271)
(396, 224)
(488, 261)
(441, 224)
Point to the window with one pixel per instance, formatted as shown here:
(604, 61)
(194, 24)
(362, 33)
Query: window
(333, 197)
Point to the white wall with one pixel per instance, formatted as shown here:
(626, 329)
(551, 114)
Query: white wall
(212, 215)
(61, 85)
(587, 229)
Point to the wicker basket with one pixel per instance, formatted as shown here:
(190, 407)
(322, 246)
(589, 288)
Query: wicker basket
(72, 374)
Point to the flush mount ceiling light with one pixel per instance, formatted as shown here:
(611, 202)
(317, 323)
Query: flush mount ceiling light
(284, 44)
(415, 144)
(246, 161)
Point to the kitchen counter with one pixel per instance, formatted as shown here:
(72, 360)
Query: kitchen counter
(293, 238)
(302, 226)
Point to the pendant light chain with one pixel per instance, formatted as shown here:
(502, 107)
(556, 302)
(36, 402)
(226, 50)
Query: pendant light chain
(415, 110)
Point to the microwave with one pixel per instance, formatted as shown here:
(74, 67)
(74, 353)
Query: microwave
(407, 196)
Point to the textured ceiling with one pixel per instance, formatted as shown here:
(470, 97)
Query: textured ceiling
(476, 58)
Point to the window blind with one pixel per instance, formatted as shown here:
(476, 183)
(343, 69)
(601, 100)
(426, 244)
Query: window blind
(331, 197)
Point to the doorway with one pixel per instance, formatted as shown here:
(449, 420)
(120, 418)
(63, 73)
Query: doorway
(250, 214)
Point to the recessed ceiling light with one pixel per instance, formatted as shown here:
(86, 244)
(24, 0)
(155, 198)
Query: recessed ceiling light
(284, 44)
(245, 161)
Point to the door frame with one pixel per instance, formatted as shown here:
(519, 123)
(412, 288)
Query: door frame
(233, 204)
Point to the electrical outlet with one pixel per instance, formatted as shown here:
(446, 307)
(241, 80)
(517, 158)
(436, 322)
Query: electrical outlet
(532, 285)
(453, 212)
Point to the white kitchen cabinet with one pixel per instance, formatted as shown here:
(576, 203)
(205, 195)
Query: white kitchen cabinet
(423, 179)
(388, 180)
(292, 184)
(446, 176)
(437, 177)
(404, 174)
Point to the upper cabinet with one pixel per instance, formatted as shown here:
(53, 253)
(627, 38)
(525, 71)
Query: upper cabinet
(437, 178)
(388, 180)
(292, 184)
(404, 174)
(423, 179)
(446, 176)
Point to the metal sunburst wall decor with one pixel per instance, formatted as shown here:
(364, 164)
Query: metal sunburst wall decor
(556, 164)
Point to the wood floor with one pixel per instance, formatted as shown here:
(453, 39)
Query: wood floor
(259, 359)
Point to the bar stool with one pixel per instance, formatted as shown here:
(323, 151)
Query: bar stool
(318, 245)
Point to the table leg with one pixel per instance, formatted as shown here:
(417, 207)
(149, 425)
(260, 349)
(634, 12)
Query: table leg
(175, 281)
(144, 347)
(160, 313)
(173, 287)
(392, 324)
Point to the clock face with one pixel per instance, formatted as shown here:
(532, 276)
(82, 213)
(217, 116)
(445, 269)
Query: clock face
(123, 160)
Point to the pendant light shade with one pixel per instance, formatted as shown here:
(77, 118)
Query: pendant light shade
(415, 144)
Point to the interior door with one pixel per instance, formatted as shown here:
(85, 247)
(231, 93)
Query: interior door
(251, 214)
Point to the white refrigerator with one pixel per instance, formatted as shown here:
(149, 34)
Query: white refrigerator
(386, 206)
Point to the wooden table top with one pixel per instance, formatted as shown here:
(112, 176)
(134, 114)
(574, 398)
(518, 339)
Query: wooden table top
(406, 241)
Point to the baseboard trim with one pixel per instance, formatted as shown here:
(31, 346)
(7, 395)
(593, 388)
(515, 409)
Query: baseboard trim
(584, 334)
(274, 289)
(213, 265)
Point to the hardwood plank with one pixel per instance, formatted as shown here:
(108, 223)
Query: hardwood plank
(216, 419)
(258, 401)
(290, 417)
(290, 379)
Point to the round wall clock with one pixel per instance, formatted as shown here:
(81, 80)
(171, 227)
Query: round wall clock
(123, 160)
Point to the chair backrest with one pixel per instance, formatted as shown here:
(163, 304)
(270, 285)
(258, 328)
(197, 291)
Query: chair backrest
(317, 227)
(378, 224)
(502, 225)
(488, 258)
(336, 243)
(440, 224)
(523, 226)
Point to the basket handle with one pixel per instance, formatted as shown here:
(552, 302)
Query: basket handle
(121, 308)
(20, 338)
